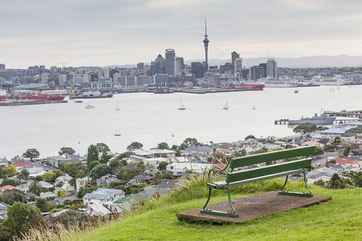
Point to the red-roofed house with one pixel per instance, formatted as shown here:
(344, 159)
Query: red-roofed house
(348, 163)
(20, 165)
(7, 188)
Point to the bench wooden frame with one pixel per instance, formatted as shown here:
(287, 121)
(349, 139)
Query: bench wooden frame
(238, 171)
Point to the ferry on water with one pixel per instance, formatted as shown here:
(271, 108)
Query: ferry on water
(30, 97)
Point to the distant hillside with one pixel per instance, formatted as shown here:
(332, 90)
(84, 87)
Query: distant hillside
(303, 62)
(339, 219)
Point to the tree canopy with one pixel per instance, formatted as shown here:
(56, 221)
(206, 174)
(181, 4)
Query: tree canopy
(163, 146)
(66, 150)
(189, 142)
(135, 146)
(31, 153)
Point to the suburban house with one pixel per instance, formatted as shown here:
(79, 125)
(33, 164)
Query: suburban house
(60, 160)
(103, 195)
(45, 185)
(48, 195)
(24, 187)
(106, 180)
(139, 179)
(4, 162)
(3, 211)
(200, 153)
(153, 157)
(62, 183)
(348, 164)
(35, 172)
(97, 209)
(81, 183)
(23, 164)
(180, 168)
(7, 188)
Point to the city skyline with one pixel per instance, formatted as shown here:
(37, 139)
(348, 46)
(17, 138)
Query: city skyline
(126, 32)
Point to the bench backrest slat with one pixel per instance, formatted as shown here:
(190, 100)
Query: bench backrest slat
(273, 156)
(237, 176)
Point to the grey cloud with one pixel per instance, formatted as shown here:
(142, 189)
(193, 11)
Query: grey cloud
(135, 30)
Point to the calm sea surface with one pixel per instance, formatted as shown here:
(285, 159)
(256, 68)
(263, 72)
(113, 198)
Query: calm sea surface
(151, 118)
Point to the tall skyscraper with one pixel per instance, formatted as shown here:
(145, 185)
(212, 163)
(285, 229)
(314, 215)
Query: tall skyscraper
(257, 72)
(197, 69)
(158, 65)
(238, 67)
(234, 56)
(206, 47)
(170, 56)
(180, 66)
(272, 69)
(2, 67)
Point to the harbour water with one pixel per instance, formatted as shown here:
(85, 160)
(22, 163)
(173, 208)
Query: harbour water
(151, 118)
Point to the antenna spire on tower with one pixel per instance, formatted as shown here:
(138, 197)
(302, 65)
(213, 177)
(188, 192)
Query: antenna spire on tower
(206, 27)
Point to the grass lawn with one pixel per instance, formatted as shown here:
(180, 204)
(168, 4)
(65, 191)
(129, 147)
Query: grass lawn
(339, 219)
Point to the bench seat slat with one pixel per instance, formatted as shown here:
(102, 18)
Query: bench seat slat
(223, 184)
(270, 170)
(273, 156)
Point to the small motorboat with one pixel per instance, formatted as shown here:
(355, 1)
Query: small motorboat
(226, 106)
(182, 107)
(89, 107)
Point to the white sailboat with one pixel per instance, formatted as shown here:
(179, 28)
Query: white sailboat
(117, 107)
(89, 107)
(182, 106)
(226, 106)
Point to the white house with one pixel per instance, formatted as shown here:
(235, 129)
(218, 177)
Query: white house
(35, 172)
(57, 161)
(103, 195)
(96, 208)
(180, 168)
(153, 157)
(81, 182)
(48, 195)
(3, 211)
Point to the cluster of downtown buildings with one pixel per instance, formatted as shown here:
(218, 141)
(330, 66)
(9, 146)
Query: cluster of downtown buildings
(168, 70)
(164, 71)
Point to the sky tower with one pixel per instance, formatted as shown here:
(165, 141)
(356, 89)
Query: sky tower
(206, 46)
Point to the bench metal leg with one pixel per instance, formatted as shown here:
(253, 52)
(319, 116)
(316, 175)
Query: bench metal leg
(231, 208)
(285, 183)
(303, 194)
(208, 199)
(230, 213)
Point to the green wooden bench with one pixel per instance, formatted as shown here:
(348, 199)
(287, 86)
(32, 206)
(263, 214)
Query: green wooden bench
(263, 166)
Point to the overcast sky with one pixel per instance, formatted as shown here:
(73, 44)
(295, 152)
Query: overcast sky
(106, 32)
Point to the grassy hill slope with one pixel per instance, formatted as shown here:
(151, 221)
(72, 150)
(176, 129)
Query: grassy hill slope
(339, 219)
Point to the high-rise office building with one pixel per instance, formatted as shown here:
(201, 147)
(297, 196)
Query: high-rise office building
(238, 66)
(158, 65)
(2, 67)
(197, 69)
(234, 56)
(262, 70)
(170, 62)
(180, 66)
(272, 69)
(140, 67)
(258, 72)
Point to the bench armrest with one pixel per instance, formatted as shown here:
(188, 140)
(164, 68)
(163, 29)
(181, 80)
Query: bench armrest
(212, 172)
